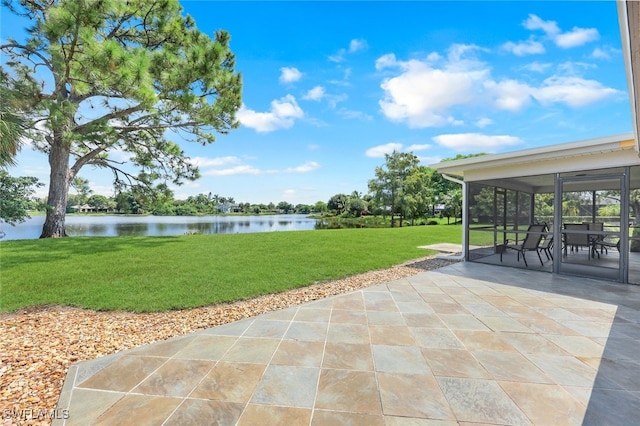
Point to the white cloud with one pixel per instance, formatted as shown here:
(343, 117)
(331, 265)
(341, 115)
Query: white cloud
(478, 142)
(422, 94)
(537, 67)
(534, 22)
(246, 169)
(605, 52)
(574, 68)
(357, 45)
(334, 100)
(462, 55)
(572, 91)
(599, 53)
(309, 166)
(484, 122)
(428, 92)
(214, 162)
(522, 48)
(354, 115)
(337, 57)
(243, 169)
(385, 61)
(380, 150)
(282, 115)
(429, 160)
(289, 75)
(117, 153)
(315, 94)
(418, 147)
(509, 95)
(576, 37)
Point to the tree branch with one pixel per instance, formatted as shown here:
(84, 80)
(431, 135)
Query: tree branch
(116, 114)
(28, 49)
(86, 158)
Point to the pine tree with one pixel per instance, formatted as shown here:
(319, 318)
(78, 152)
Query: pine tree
(119, 76)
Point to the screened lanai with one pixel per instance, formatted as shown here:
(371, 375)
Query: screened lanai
(585, 196)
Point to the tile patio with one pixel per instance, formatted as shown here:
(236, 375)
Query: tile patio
(467, 344)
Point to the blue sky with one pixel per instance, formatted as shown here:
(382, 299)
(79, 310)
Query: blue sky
(330, 87)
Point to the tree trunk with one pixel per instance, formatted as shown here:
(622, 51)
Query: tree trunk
(54, 225)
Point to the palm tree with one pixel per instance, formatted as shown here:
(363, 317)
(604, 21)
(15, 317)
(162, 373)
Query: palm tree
(12, 125)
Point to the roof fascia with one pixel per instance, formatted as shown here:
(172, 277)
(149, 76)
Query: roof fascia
(541, 154)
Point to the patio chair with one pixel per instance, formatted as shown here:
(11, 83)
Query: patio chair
(606, 245)
(576, 241)
(546, 246)
(531, 242)
(596, 239)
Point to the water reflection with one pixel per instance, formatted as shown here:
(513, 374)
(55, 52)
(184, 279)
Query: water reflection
(128, 229)
(121, 225)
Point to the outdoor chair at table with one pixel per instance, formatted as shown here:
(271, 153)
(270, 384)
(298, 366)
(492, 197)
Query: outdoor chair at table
(606, 245)
(576, 240)
(531, 242)
(596, 239)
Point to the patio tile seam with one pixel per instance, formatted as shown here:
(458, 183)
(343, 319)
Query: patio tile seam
(324, 352)
(373, 358)
(204, 376)
(269, 363)
(523, 409)
(250, 399)
(130, 391)
(458, 416)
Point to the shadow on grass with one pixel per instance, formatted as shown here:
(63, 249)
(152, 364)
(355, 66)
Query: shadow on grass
(19, 252)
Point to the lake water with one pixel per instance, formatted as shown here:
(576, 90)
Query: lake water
(121, 225)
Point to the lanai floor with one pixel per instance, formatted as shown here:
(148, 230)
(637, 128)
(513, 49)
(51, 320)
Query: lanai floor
(469, 343)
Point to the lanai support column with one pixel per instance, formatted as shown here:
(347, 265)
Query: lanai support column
(464, 255)
(624, 225)
(557, 223)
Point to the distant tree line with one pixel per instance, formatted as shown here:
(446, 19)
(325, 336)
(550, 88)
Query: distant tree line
(401, 189)
(162, 203)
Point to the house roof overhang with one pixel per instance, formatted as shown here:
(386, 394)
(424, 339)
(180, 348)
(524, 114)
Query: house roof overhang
(590, 154)
(533, 170)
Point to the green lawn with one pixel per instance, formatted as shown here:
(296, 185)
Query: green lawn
(145, 274)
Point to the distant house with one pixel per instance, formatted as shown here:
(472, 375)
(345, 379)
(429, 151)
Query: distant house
(228, 208)
(85, 208)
